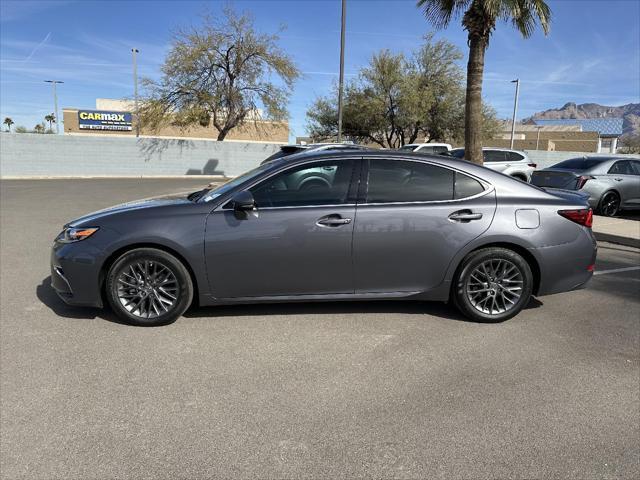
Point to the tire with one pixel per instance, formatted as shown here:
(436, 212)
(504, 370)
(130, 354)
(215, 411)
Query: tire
(609, 205)
(495, 300)
(157, 297)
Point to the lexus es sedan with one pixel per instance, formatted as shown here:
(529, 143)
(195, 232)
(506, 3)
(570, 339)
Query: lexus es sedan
(382, 225)
(611, 183)
(514, 163)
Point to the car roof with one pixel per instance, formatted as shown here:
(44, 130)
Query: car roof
(494, 148)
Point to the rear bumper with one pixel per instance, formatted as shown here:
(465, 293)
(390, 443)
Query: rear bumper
(568, 266)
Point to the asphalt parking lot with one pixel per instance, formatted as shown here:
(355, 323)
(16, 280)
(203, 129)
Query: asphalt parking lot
(388, 389)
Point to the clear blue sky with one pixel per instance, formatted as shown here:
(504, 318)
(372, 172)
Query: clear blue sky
(591, 55)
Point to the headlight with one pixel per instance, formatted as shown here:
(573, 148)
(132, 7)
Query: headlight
(70, 234)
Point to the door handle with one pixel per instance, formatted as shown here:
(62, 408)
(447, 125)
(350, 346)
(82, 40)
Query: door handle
(464, 216)
(618, 179)
(333, 221)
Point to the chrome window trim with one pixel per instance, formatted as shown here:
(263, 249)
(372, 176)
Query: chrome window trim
(430, 202)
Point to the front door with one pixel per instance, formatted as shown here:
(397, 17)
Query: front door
(415, 218)
(296, 242)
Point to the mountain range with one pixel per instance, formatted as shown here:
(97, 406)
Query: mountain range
(630, 114)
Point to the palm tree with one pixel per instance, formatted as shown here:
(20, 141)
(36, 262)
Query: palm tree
(51, 118)
(479, 20)
(8, 122)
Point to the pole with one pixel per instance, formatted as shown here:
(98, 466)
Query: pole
(134, 51)
(515, 110)
(55, 102)
(538, 136)
(341, 81)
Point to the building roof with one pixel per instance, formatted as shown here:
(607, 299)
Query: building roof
(604, 126)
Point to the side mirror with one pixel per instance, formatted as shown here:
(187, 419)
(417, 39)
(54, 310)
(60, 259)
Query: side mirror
(243, 201)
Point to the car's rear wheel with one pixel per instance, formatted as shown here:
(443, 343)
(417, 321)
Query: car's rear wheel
(609, 204)
(148, 287)
(492, 285)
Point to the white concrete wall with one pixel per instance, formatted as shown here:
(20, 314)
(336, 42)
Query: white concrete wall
(34, 155)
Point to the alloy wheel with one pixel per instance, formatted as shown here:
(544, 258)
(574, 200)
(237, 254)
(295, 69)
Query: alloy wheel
(147, 288)
(494, 286)
(610, 204)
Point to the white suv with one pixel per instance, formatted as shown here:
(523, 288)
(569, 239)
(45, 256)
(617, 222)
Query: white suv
(435, 148)
(510, 162)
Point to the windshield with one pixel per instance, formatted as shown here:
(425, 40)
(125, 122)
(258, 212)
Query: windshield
(411, 148)
(231, 184)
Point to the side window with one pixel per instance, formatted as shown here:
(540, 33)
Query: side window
(322, 183)
(635, 167)
(402, 181)
(465, 186)
(514, 157)
(440, 150)
(621, 168)
(494, 155)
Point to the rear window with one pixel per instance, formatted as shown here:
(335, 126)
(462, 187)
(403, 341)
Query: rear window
(578, 163)
(465, 186)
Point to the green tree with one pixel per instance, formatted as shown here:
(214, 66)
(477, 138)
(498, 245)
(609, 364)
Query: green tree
(221, 73)
(8, 122)
(39, 128)
(51, 118)
(398, 100)
(479, 18)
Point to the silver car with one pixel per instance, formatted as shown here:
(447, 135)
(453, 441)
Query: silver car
(611, 183)
(384, 225)
(514, 163)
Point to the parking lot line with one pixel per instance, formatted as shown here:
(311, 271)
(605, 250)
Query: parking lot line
(616, 270)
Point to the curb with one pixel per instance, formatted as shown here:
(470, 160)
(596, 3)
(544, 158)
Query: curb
(618, 239)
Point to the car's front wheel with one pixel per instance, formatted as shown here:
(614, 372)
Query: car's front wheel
(492, 285)
(148, 287)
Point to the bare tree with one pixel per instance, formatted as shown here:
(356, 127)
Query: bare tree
(220, 73)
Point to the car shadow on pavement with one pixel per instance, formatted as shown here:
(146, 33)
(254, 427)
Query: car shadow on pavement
(409, 307)
(48, 296)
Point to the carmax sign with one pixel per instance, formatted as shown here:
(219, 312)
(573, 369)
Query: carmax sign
(104, 120)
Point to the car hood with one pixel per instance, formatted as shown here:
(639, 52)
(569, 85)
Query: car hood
(173, 199)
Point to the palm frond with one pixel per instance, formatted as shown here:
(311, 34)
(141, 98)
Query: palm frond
(440, 12)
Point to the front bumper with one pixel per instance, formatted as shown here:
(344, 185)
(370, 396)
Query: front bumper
(76, 273)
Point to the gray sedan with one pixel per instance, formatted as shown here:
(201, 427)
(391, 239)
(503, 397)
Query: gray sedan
(611, 183)
(382, 225)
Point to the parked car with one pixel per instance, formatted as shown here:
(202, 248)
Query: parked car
(388, 225)
(434, 148)
(612, 183)
(514, 163)
(287, 150)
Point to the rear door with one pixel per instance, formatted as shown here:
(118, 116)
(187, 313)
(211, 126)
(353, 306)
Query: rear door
(625, 176)
(414, 217)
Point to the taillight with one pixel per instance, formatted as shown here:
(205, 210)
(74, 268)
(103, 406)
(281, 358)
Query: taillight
(532, 165)
(582, 180)
(584, 216)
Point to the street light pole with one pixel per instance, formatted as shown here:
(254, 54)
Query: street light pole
(134, 51)
(55, 102)
(539, 127)
(515, 110)
(341, 81)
